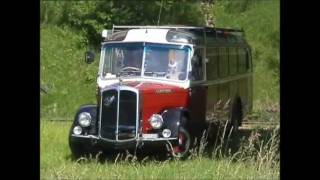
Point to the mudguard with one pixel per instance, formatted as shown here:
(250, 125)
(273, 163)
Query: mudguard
(93, 110)
(172, 120)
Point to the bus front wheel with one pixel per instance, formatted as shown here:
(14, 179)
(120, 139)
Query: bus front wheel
(181, 149)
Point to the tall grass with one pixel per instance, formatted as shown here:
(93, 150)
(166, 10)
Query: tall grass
(255, 158)
(70, 82)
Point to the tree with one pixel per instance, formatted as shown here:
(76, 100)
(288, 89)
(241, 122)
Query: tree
(91, 17)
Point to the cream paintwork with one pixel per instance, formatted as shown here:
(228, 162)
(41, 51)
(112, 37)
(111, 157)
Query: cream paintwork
(102, 83)
(147, 35)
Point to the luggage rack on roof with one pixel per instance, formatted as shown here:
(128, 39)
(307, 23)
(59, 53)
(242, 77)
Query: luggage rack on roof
(119, 32)
(116, 28)
(121, 28)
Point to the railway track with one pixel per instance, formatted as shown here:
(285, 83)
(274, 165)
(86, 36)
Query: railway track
(60, 119)
(258, 124)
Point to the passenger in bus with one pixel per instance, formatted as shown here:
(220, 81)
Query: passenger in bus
(177, 65)
(172, 66)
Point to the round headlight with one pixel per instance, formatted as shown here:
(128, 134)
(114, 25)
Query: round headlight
(166, 133)
(84, 119)
(156, 121)
(77, 130)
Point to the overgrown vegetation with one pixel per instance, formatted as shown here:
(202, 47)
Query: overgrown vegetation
(68, 28)
(252, 155)
(68, 80)
(91, 17)
(261, 21)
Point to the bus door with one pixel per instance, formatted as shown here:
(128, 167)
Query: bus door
(198, 91)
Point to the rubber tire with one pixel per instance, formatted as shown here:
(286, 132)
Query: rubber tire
(186, 152)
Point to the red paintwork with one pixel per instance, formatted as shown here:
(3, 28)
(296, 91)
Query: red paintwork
(155, 102)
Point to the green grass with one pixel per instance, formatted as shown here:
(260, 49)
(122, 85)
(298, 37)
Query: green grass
(55, 163)
(70, 81)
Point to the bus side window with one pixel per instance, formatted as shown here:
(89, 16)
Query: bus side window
(223, 62)
(233, 61)
(248, 59)
(212, 65)
(197, 65)
(242, 60)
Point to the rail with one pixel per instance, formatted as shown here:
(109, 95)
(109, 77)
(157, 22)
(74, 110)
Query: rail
(258, 124)
(59, 119)
(116, 28)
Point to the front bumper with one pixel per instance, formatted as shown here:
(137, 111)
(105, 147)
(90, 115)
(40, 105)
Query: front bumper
(104, 144)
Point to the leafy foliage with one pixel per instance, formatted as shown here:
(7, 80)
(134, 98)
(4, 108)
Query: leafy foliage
(69, 28)
(91, 17)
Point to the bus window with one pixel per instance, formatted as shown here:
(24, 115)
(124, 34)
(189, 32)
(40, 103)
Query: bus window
(233, 60)
(212, 65)
(248, 59)
(223, 62)
(197, 65)
(242, 60)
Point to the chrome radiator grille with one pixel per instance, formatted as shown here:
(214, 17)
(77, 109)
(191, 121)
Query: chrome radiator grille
(119, 114)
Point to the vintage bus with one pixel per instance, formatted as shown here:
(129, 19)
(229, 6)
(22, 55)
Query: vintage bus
(164, 85)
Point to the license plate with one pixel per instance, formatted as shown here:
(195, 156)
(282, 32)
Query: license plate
(150, 136)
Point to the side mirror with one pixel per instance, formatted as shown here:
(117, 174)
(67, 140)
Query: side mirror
(89, 57)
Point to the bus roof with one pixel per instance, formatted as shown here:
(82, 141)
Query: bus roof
(201, 35)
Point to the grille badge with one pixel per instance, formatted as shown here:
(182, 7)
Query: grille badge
(108, 100)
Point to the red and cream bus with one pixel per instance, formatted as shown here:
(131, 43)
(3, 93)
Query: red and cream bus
(161, 85)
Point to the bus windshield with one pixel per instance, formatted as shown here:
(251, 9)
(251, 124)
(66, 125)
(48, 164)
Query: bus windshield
(164, 61)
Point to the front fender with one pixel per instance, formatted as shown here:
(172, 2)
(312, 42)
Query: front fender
(172, 120)
(93, 110)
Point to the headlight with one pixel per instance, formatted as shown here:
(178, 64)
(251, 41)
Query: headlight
(166, 133)
(77, 130)
(84, 119)
(156, 121)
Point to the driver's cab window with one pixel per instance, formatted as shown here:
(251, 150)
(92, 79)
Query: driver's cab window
(156, 60)
(129, 57)
(117, 59)
(197, 65)
(164, 62)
